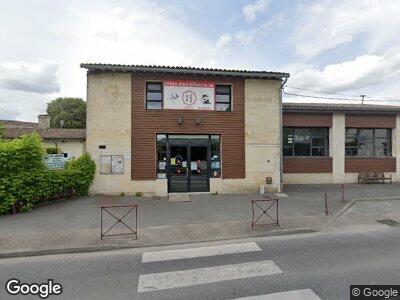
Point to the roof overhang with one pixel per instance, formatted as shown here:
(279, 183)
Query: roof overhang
(336, 107)
(91, 67)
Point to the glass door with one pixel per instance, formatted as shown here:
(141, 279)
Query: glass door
(188, 168)
(198, 179)
(178, 169)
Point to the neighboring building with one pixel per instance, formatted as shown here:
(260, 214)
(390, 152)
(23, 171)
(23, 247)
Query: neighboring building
(332, 143)
(160, 130)
(71, 142)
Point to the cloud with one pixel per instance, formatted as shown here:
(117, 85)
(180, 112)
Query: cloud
(362, 72)
(257, 33)
(329, 24)
(136, 32)
(250, 10)
(224, 40)
(39, 77)
(9, 114)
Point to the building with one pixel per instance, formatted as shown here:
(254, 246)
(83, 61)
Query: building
(160, 130)
(332, 143)
(71, 142)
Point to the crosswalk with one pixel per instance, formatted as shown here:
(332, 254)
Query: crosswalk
(221, 273)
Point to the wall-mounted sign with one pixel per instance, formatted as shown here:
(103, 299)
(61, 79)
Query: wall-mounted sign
(189, 94)
(55, 161)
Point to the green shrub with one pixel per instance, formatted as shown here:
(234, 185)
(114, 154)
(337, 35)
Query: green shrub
(34, 183)
(81, 173)
(138, 194)
(21, 155)
(53, 150)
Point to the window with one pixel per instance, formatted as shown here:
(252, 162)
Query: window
(154, 95)
(111, 164)
(368, 142)
(161, 155)
(223, 97)
(215, 156)
(305, 141)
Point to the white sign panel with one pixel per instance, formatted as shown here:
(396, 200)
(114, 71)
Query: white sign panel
(55, 161)
(189, 94)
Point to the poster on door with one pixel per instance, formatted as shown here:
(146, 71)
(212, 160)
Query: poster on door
(189, 94)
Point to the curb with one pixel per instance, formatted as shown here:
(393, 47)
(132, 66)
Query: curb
(353, 201)
(102, 248)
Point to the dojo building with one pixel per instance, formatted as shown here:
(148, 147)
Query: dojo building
(160, 130)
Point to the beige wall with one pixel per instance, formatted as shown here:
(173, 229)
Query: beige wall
(337, 150)
(307, 178)
(263, 133)
(109, 124)
(74, 147)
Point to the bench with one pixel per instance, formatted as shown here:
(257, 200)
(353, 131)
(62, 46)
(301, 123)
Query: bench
(373, 177)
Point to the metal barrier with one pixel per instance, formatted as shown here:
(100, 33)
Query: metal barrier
(265, 205)
(119, 220)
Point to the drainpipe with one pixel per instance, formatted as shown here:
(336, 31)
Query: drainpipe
(281, 134)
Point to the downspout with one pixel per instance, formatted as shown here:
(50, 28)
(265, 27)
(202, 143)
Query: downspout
(281, 134)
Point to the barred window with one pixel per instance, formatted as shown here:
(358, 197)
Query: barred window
(154, 95)
(223, 97)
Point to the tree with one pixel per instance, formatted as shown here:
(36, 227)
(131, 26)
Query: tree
(2, 130)
(72, 111)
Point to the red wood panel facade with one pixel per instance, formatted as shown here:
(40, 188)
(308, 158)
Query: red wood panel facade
(307, 165)
(147, 123)
(370, 121)
(307, 119)
(361, 164)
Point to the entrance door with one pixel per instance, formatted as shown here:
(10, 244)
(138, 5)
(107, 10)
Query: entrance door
(188, 168)
(198, 169)
(178, 169)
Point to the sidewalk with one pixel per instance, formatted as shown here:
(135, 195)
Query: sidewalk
(74, 225)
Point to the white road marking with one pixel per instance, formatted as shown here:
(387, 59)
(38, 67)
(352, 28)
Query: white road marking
(306, 294)
(168, 280)
(199, 252)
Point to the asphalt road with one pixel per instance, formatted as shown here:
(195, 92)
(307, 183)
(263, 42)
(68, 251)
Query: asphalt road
(322, 265)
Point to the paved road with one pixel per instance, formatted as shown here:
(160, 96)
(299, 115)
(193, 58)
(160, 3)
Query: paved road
(313, 266)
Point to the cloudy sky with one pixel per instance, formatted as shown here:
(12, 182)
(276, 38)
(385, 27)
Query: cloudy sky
(341, 47)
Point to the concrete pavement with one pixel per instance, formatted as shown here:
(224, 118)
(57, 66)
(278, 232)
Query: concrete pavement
(74, 225)
(307, 266)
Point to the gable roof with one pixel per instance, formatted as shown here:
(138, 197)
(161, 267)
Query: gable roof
(52, 133)
(18, 124)
(184, 71)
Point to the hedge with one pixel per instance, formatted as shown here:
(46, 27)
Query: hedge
(32, 183)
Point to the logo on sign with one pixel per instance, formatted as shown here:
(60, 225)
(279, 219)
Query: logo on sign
(189, 98)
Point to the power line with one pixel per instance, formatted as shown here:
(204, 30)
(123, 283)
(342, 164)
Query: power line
(315, 91)
(373, 98)
(338, 98)
(320, 97)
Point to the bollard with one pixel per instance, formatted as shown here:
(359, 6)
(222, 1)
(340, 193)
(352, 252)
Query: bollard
(343, 192)
(326, 204)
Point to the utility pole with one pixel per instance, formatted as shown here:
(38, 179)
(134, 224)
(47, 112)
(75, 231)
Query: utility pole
(362, 98)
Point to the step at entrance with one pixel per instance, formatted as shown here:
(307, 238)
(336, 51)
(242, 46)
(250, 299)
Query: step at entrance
(178, 197)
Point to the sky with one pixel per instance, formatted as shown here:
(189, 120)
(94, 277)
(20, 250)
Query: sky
(332, 49)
